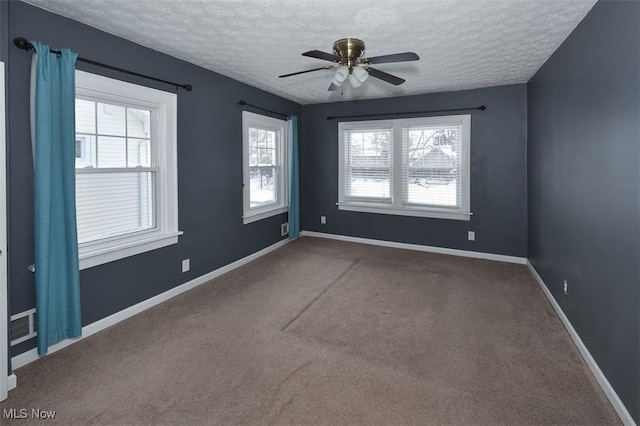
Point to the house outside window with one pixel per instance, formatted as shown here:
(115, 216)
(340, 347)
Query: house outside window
(410, 167)
(126, 169)
(265, 146)
(84, 151)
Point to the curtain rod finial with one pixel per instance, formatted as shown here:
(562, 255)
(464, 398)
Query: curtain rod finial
(22, 43)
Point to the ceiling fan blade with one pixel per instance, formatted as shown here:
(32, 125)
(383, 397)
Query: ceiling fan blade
(389, 78)
(318, 54)
(395, 57)
(305, 71)
(333, 87)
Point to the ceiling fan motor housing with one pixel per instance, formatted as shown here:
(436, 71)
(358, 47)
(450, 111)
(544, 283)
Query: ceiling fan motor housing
(349, 49)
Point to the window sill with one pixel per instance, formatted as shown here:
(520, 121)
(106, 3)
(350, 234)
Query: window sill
(406, 211)
(256, 216)
(99, 255)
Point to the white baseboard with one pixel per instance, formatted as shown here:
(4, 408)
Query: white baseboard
(12, 382)
(418, 247)
(32, 355)
(611, 394)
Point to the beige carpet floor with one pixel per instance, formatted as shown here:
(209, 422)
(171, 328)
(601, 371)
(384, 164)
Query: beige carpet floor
(327, 332)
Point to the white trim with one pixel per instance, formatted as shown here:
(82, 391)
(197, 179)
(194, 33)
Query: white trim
(105, 254)
(88, 84)
(608, 390)
(4, 281)
(419, 247)
(280, 127)
(397, 203)
(12, 381)
(405, 211)
(254, 217)
(93, 328)
(163, 127)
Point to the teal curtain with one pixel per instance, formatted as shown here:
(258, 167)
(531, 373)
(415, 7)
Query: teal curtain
(294, 183)
(56, 241)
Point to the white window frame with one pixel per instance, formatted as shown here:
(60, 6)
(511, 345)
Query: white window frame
(164, 107)
(398, 206)
(281, 127)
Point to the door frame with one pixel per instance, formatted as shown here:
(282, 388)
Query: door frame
(4, 282)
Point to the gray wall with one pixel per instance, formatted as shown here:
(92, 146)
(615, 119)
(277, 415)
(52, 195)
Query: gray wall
(584, 207)
(209, 164)
(4, 30)
(583, 194)
(498, 173)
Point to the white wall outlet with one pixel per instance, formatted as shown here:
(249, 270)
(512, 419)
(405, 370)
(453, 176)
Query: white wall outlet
(471, 235)
(186, 265)
(284, 229)
(566, 287)
(323, 220)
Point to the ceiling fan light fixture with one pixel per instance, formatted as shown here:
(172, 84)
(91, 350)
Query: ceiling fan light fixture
(354, 81)
(340, 75)
(360, 74)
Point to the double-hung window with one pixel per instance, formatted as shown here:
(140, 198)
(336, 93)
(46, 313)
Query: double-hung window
(126, 169)
(411, 167)
(265, 147)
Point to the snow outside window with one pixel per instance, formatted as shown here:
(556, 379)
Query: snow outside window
(126, 172)
(265, 147)
(411, 167)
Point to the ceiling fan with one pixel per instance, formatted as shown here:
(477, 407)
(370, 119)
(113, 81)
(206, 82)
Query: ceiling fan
(349, 63)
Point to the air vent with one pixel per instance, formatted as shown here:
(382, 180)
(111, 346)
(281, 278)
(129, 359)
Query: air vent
(20, 328)
(23, 326)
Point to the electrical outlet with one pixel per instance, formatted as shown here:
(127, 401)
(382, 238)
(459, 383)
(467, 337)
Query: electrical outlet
(566, 287)
(323, 220)
(186, 265)
(284, 229)
(471, 235)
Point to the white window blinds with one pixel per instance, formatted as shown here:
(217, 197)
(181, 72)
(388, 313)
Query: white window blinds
(411, 167)
(368, 164)
(432, 165)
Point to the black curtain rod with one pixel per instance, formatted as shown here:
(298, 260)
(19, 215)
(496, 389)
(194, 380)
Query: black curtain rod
(398, 114)
(24, 44)
(268, 111)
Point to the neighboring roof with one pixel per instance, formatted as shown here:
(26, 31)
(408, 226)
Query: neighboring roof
(436, 158)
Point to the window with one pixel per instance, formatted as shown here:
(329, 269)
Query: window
(264, 146)
(126, 169)
(410, 167)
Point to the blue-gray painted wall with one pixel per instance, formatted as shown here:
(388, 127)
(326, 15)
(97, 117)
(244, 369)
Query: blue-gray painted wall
(583, 173)
(583, 199)
(4, 30)
(209, 169)
(498, 173)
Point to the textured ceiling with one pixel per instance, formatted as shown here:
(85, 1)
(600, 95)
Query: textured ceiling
(462, 44)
